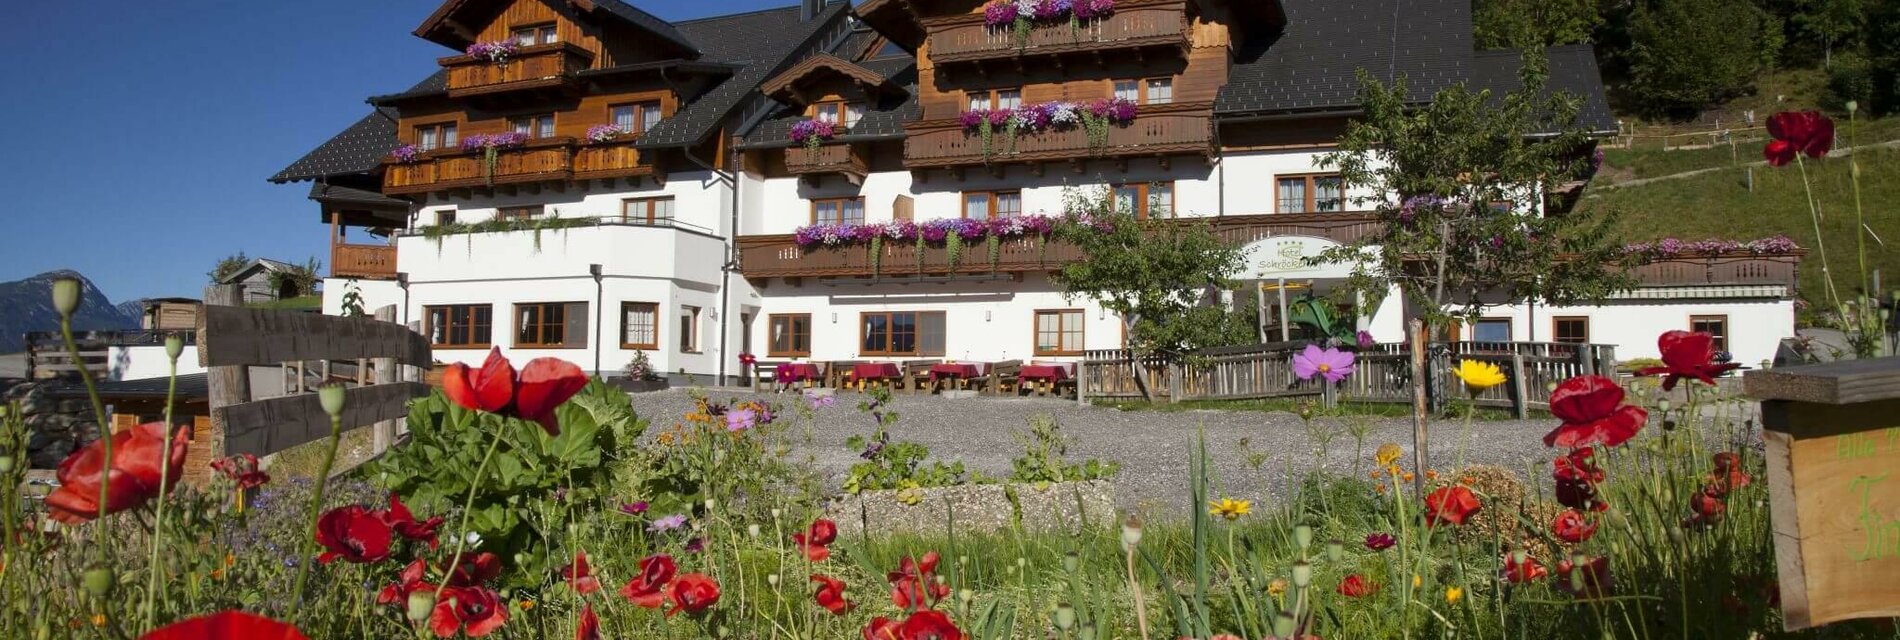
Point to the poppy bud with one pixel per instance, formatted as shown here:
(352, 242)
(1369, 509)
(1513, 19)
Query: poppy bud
(1853, 106)
(1088, 631)
(1065, 616)
(421, 602)
(1663, 405)
(174, 346)
(1335, 550)
(331, 397)
(1519, 556)
(1071, 562)
(97, 582)
(1283, 626)
(1304, 536)
(66, 296)
(1853, 168)
(772, 579)
(966, 595)
(712, 504)
(776, 513)
(1302, 574)
(6, 464)
(1131, 533)
(752, 530)
(1022, 562)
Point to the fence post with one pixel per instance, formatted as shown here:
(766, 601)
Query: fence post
(1520, 400)
(1175, 371)
(1328, 395)
(1421, 458)
(1082, 382)
(1587, 359)
(383, 434)
(224, 385)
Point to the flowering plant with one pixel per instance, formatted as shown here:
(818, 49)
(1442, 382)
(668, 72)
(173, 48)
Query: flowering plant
(407, 153)
(495, 52)
(811, 133)
(932, 231)
(1059, 115)
(494, 140)
(1673, 247)
(1022, 13)
(606, 132)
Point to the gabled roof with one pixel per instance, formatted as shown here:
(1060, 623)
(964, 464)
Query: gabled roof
(783, 87)
(451, 23)
(883, 120)
(764, 41)
(358, 149)
(633, 16)
(1314, 63)
(260, 264)
(1573, 70)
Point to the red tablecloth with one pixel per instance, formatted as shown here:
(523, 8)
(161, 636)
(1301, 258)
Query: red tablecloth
(873, 371)
(1050, 373)
(791, 372)
(954, 370)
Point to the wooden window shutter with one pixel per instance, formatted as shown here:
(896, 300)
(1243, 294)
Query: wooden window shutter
(901, 208)
(576, 325)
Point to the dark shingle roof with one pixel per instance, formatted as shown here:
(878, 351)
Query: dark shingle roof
(341, 194)
(884, 120)
(1573, 69)
(358, 149)
(1313, 65)
(633, 15)
(761, 40)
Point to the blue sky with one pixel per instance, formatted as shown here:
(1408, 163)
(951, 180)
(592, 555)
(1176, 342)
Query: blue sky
(142, 131)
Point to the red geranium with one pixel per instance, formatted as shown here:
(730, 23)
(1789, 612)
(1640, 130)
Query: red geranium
(648, 588)
(1356, 586)
(830, 594)
(1807, 132)
(589, 627)
(579, 576)
(226, 625)
(914, 585)
(1589, 580)
(139, 457)
(1450, 504)
(1687, 354)
(1522, 572)
(816, 539)
(693, 593)
(353, 533)
(880, 628)
(929, 625)
(241, 469)
(1577, 478)
(542, 386)
(1570, 526)
(472, 610)
(1592, 411)
(406, 525)
(408, 582)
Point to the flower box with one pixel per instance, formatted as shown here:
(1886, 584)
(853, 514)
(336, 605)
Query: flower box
(631, 385)
(977, 508)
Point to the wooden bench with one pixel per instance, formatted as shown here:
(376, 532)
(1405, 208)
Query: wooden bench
(916, 373)
(998, 376)
(765, 375)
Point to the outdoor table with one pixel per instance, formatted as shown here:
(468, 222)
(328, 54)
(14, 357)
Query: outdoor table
(961, 372)
(795, 372)
(1046, 376)
(864, 372)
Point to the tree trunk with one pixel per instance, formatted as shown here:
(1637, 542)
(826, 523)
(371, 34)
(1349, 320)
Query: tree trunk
(1141, 370)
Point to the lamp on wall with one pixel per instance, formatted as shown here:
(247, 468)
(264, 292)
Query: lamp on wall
(986, 315)
(834, 317)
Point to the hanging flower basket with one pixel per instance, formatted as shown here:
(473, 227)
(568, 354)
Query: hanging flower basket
(813, 133)
(407, 153)
(496, 52)
(606, 132)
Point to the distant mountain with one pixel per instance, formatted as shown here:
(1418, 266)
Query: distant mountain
(27, 305)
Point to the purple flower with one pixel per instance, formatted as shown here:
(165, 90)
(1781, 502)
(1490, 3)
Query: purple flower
(1380, 541)
(668, 523)
(1365, 340)
(1332, 364)
(820, 402)
(406, 153)
(634, 508)
(494, 52)
(807, 130)
(741, 419)
(999, 12)
(695, 545)
(605, 132)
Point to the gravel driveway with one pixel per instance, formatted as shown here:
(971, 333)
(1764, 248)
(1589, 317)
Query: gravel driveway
(1153, 447)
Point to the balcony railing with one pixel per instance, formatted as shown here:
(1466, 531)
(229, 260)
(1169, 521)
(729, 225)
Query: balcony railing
(546, 159)
(1728, 269)
(1158, 130)
(376, 262)
(1133, 25)
(615, 159)
(538, 66)
(848, 160)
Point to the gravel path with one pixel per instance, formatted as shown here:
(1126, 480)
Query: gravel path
(1153, 447)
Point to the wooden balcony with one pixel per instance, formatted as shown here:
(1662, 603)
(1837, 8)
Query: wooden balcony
(849, 160)
(1138, 26)
(543, 160)
(606, 160)
(1741, 268)
(374, 262)
(536, 67)
(1158, 131)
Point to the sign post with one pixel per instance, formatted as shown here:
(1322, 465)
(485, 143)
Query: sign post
(1833, 451)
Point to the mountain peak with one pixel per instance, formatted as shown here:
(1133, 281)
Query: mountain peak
(27, 305)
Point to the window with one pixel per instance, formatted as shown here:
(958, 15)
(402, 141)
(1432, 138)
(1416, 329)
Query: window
(837, 211)
(1716, 326)
(1319, 193)
(902, 333)
(536, 34)
(647, 210)
(1145, 90)
(791, 336)
(985, 205)
(1154, 199)
(560, 325)
(636, 117)
(1129, 90)
(535, 126)
(460, 326)
(444, 217)
(689, 329)
(430, 137)
(1571, 329)
(639, 325)
(1492, 330)
(838, 111)
(518, 213)
(997, 99)
(1059, 333)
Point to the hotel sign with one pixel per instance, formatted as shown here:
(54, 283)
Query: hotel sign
(1291, 257)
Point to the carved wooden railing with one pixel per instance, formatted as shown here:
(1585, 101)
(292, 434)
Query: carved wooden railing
(537, 160)
(1157, 130)
(834, 158)
(363, 261)
(541, 65)
(614, 159)
(966, 38)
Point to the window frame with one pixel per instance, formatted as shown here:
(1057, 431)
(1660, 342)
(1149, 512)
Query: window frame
(535, 124)
(1141, 89)
(639, 107)
(439, 129)
(841, 202)
(522, 212)
(542, 33)
(917, 335)
(542, 325)
(994, 196)
(850, 112)
(468, 310)
(992, 97)
(689, 329)
(1311, 205)
(1720, 342)
(1062, 347)
(648, 217)
(444, 217)
(1556, 332)
(625, 305)
(1144, 197)
(791, 349)
(1510, 328)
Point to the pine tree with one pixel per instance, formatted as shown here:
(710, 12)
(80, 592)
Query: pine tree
(1690, 54)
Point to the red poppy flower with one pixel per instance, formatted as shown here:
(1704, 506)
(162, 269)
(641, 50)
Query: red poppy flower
(472, 610)
(139, 457)
(929, 625)
(1522, 572)
(648, 589)
(880, 628)
(1450, 504)
(406, 525)
(474, 570)
(1687, 354)
(542, 386)
(353, 533)
(1589, 580)
(1592, 411)
(241, 469)
(816, 539)
(589, 627)
(1728, 474)
(226, 625)
(830, 594)
(407, 582)
(1577, 478)
(914, 585)
(579, 576)
(1707, 505)
(1356, 586)
(1807, 132)
(1570, 526)
(693, 593)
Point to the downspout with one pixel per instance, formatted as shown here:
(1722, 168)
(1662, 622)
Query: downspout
(725, 271)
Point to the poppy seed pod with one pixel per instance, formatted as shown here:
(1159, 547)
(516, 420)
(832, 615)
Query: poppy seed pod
(1071, 562)
(1335, 550)
(97, 581)
(772, 579)
(1089, 631)
(966, 595)
(1303, 535)
(1283, 626)
(66, 296)
(1065, 616)
(1131, 533)
(331, 397)
(752, 530)
(421, 602)
(6, 464)
(1302, 574)
(174, 346)
(1853, 106)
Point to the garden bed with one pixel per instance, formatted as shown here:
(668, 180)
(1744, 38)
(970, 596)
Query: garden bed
(1067, 507)
(631, 385)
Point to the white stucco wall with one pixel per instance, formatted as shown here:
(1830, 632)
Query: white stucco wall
(375, 294)
(699, 199)
(148, 361)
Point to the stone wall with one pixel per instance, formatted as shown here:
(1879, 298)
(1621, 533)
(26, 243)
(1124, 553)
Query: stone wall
(55, 426)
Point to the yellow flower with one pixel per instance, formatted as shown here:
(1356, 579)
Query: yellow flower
(1417, 581)
(1409, 477)
(526, 605)
(1277, 588)
(1453, 595)
(1229, 508)
(1478, 376)
(1387, 454)
(98, 619)
(1380, 488)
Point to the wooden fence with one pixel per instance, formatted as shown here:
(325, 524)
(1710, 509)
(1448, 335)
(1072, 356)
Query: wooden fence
(46, 355)
(1382, 373)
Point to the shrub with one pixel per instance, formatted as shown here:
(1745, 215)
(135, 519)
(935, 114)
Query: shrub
(1850, 78)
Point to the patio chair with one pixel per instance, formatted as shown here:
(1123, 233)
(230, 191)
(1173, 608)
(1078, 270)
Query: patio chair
(916, 373)
(835, 372)
(765, 375)
(998, 376)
